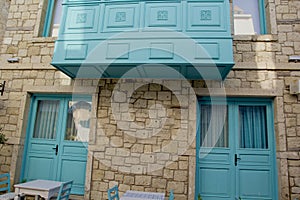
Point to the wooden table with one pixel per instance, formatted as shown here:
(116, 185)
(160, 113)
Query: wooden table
(43, 188)
(137, 195)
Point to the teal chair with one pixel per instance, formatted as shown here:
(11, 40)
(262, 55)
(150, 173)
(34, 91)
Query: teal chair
(171, 196)
(113, 193)
(5, 187)
(64, 191)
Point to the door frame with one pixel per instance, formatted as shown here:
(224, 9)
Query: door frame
(31, 120)
(268, 102)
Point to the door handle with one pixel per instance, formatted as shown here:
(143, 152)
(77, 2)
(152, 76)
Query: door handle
(56, 149)
(236, 158)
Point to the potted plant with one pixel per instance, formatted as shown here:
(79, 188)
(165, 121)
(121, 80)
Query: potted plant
(3, 139)
(199, 197)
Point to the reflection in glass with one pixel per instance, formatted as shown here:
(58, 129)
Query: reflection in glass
(78, 121)
(246, 17)
(57, 11)
(46, 119)
(253, 127)
(213, 126)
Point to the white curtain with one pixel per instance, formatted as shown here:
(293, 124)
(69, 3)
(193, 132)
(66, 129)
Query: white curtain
(46, 119)
(253, 127)
(213, 126)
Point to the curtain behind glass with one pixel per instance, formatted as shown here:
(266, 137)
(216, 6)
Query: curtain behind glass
(78, 121)
(214, 126)
(253, 129)
(46, 119)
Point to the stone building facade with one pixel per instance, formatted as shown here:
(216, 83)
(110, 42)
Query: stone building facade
(162, 112)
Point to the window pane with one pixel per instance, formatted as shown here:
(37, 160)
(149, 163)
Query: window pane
(57, 11)
(78, 121)
(213, 125)
(253, 127)
(46, 119)
(246, 17)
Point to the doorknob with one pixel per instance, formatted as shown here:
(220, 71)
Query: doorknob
(56, 149)
(236, 158)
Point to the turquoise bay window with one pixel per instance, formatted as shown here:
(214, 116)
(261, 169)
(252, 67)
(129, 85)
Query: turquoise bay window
(144, 39)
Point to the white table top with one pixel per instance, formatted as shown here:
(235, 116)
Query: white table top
(137, 195)
(39, 185)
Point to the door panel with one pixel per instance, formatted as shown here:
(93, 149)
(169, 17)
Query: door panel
(215, 182)
(244, 166)
(40, 167)
(255, 183)
(73, 161)
(41, 160)
(70, 167)
(52, 124)
(253, 170)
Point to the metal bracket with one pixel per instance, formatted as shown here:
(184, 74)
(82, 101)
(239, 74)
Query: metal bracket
(2, 86)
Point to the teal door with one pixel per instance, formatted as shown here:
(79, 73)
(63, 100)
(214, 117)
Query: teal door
(57, 140)
(235, 154)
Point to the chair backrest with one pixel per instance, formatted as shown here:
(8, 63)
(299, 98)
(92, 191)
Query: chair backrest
(5, 182)
(113, 193)
(65, 190)
(171, 196)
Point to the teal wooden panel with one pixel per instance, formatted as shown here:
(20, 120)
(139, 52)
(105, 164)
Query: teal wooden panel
(206, 17)
(215, 182)
(161, 50)
(260, 158)
(76, 51)
(40, 167)
(207, 50)
(255, 184)
(38, 147)
(69, 168)
(101, 26)
(76, 151)
(81, 19)
(166, 15)
(118, 50)
(216, 157)
(121, 17)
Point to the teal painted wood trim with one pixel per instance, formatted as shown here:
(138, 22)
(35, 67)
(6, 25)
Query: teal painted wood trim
(262, 17)
(233, 104)
(48, 18)
(273, 148)
(27, 138)
(197, 192)
(77, 155)
(164, 27)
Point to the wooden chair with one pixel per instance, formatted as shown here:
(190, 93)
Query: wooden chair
(113, 193)
(5, 187)
(171, 196)
(65, 191)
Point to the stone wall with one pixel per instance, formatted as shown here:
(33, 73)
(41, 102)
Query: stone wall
(262, 64)
(261, 70)
(144, 134)
(4, 7)
(5, 157)
(288, 26)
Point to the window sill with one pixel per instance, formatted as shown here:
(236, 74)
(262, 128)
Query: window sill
(256, 38)
(44, 39)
